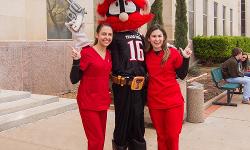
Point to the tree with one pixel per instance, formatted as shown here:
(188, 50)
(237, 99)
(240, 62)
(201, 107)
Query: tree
(181, 25)
(156, 9)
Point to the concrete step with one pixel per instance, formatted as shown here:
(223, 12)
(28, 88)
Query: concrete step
(33, 114)
(22, 104)
(8, 95)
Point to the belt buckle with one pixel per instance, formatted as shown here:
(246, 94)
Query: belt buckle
(121, 80)
(137, 83)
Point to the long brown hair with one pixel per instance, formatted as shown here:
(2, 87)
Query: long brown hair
(164, 47)
(245, 63)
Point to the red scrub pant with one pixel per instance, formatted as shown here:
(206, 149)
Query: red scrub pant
(94, 124)
(168, 124)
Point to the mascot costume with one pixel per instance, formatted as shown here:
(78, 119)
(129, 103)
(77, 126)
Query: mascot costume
(128, 66)
(128, 69)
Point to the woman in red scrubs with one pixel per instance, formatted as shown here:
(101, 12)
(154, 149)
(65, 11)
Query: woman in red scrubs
(93, 66)
(164, 99)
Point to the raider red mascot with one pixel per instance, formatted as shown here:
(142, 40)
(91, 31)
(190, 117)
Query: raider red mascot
(128, 69)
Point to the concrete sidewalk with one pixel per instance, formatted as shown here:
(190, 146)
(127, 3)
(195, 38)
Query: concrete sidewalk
(227, 128)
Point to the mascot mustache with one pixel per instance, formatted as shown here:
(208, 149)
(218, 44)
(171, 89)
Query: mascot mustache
(135, 20)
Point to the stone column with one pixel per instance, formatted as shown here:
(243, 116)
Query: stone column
(195, 101)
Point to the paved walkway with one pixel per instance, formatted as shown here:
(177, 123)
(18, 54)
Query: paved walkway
(227, 128)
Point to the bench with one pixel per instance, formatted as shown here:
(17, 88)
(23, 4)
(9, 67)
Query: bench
(230, 87)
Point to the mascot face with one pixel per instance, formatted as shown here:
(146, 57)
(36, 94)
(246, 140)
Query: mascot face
(124, 15)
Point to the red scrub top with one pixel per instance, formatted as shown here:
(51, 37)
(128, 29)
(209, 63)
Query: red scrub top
(93, 91)
(163, 89)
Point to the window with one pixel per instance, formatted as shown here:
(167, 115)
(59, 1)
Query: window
(243, 17)
(191, 18)
(56, 17)
(205, 17)
(224, 19)
(215, 18)
(231, 21)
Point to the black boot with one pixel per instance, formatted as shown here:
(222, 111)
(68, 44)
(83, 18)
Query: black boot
(136, 145)
(116, 147)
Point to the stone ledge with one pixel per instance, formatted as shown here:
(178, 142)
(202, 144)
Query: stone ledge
(218, 97)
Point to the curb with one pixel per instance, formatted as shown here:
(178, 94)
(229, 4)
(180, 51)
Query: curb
(194, 78)
(218, 97)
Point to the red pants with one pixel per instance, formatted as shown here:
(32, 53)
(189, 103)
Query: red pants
(94, 124)
(168, 124)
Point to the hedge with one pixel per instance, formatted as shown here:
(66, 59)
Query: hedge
(217, 49)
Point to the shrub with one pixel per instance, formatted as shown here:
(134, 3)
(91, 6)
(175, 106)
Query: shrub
(217, 49)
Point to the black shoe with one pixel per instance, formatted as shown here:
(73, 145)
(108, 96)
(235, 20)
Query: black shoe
(137, 145)
(116, 147)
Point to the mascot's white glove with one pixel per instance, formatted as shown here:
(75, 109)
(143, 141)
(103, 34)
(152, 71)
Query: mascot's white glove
(79, 37)
(187, 52)
(76, 14)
